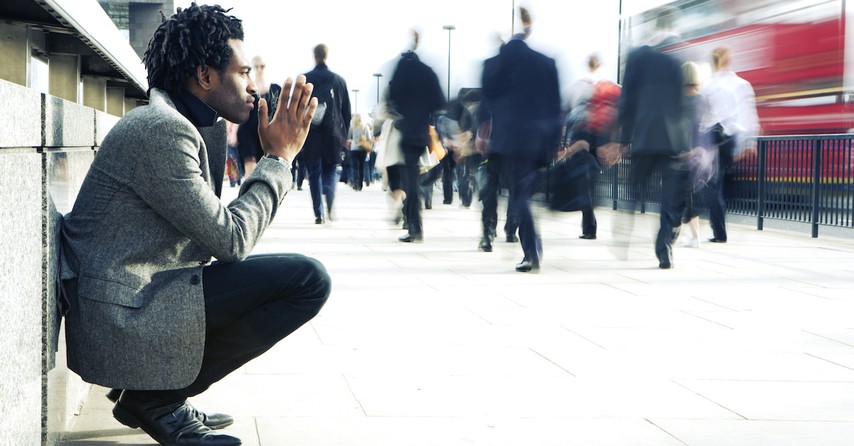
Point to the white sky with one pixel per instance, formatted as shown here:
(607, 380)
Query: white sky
(365, 37)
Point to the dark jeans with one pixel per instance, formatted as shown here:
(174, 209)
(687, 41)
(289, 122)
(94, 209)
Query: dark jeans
(249, 307)
(448, 167)
(489, 184)
(300, 171)
(322, 180)
(357, 168)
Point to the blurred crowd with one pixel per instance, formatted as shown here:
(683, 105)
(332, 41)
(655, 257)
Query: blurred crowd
(492, 143)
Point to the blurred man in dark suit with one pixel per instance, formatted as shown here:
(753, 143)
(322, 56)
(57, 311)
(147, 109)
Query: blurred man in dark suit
(522, 96)
(653, 123)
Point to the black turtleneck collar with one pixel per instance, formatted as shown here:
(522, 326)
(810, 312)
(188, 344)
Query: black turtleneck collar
(194, 109)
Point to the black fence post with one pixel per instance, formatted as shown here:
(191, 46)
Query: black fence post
(761, 153)
(816, 185)
(615, 186)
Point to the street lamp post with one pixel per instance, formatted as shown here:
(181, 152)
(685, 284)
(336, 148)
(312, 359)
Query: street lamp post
(449, 28)
(378, 76)
(356, 96)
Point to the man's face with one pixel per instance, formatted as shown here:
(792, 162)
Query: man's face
(232, 94)
(259, 66)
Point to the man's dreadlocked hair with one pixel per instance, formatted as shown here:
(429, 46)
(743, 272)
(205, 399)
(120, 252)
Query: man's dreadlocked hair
(194, 36)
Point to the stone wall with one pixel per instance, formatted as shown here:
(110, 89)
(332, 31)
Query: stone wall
(46, 147)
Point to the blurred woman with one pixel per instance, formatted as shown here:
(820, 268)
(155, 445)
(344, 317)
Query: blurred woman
(361, 144)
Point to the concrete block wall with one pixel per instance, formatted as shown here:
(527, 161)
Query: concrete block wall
(46, 147)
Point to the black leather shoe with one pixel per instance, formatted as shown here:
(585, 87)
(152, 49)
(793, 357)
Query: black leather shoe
(168, 423)
(526, 266)
(485, 245)
(318, 220)
(717, 240)
(587, 237)
(411, 238)
(665, 265)
(511, 238)
(213, 421)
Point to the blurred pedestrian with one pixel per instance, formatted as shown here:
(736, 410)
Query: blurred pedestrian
(589, 126)
(699, 159)
(361, 141)
(731, 124)
(651, 115)
(233, 166)
(521, 92)
(248, 143)
(414, 94)
(324, 149)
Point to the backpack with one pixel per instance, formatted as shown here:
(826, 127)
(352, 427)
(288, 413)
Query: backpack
(325, 103)
(326, 122)
(602, 106)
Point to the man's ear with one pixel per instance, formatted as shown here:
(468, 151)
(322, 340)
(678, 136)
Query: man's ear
(205, 77)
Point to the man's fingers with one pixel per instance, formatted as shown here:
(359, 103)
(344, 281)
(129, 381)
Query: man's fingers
(285, 98)
(304, 101)
(297, 95)
(263, 120)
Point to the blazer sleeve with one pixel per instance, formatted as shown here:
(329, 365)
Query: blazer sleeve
(169, 178)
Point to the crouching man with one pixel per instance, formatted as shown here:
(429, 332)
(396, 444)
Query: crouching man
(147, 312)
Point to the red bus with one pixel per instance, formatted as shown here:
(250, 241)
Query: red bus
(798, 55)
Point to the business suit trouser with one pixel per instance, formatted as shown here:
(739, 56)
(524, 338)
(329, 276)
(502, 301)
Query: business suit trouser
(489, 184)
(522, 173)
(412, 187)
(250, 306)
(674, 187)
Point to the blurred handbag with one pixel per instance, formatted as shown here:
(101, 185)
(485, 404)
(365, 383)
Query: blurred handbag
(436, 148)
(365, 143)
(570, 182)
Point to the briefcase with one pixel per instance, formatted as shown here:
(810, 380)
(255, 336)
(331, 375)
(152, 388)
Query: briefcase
(570, 182)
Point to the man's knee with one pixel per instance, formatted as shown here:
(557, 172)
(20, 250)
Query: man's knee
(316, 285)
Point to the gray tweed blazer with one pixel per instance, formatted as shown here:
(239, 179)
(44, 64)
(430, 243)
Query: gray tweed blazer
(147, 219)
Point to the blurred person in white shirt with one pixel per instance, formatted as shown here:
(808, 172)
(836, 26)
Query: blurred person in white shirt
(731, 125)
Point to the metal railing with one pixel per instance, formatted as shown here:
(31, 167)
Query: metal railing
(803, 178)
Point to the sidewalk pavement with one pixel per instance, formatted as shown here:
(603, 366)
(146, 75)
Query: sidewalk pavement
(745, 343)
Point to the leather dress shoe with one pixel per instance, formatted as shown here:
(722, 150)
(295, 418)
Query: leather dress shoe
(485, 245)
(526, 266)
(587, 237)
(665, 265)
(213, 421)
(411, 238)
(511, 238)
(169, 423)
(318, 220)
(717, 240)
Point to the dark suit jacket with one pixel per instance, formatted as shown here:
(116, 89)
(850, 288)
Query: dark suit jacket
(650, 110)
(146, 221)
(329, 143)
(415, 94)
(521, 93)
